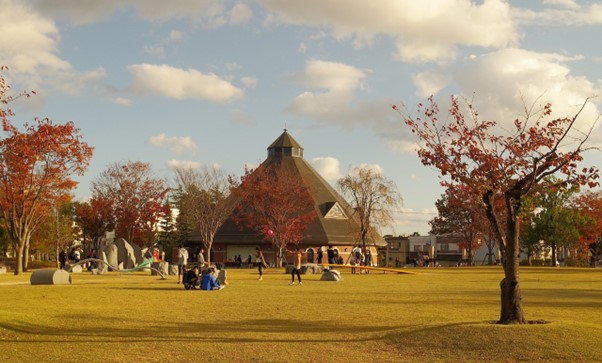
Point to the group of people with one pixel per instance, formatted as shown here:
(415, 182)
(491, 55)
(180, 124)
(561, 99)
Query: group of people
(360, 258)
(205, 279)
(198, 275)
(74, 254)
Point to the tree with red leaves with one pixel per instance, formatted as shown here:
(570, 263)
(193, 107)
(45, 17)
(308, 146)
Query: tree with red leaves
(36, 166)
(273, 201)
(589, 204)
(135, 199)
(461, 213)
(471, 152)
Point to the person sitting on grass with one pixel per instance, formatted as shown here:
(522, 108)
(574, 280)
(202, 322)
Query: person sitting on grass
(209, 282)
(191, 278)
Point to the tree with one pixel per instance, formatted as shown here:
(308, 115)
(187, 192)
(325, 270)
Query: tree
(273, 201)
(56, 230)
(460, 212)
(468, 151)
(204, 198)
(36, 166)
(374, 198)
(135, 198)
(93, 219)
(589, 204)
(555, 223)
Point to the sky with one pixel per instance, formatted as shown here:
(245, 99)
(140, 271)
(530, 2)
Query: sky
(208, 82)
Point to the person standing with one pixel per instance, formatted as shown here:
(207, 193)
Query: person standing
(320, 255)
(296, 266)
(201, 259)
(331, 255)
(368, 259)
(182, 262)
(260, 262)
(62, 258)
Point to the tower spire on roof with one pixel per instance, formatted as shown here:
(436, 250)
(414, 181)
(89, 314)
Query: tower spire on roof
(285, 145)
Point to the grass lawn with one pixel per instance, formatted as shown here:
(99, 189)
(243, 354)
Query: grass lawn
(436, 315)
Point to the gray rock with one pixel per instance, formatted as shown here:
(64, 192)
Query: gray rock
(77, 269)
(138, 254)
(2, 270)
(125, 253)
(173, 269)
(112, 255)
(331, 275)
(102, 267)
(50, 276)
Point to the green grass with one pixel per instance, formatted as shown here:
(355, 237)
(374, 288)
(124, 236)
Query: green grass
(437, 315)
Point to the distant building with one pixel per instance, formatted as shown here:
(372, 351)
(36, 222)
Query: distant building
(441, 249)
(396, 253)
(335, 225)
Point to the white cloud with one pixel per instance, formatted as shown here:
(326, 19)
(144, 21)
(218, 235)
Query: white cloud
(249, 81)
(328, 167)
(337, 79)
(424, 31)
(374, 167)
(120, 101)
(182, 164)
(180, 84)
(29, 45)
(569, 13)
(242, 118)
(157, 51)
(240, 14)
(176, 144)
(84, 12)
(302, 48)
(176, 35)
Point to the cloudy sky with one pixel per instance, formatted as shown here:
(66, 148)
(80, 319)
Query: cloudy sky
(211, 82)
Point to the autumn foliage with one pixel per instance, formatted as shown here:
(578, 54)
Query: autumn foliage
(495, 162)
(36, 166)
(132, 198)
(273, 198)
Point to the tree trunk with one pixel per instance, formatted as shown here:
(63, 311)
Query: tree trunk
(26, 256)
(511, 309)
(554, 257)
(19, 261)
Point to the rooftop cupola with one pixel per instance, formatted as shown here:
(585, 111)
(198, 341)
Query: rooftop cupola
(285, 145)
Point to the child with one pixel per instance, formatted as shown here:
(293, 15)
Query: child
(208, 281)
(191, 278)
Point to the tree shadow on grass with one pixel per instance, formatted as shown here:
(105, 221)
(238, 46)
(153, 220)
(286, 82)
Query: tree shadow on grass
(245, 331)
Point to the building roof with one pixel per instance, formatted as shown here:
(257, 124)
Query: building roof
(336, 222)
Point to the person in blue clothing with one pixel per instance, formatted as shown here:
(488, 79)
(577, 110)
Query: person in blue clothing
(208, 281)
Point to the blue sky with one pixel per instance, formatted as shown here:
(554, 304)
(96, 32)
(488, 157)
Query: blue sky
(207, 82)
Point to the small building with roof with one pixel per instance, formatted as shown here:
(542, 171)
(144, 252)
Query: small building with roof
(335, 224)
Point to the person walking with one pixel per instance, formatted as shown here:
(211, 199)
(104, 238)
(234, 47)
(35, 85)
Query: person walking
(260, 262)
(63, 258)
(320, 255)
(368, 259)
(296, 266)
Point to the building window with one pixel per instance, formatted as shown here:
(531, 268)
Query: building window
(310, 255)
(444, 247)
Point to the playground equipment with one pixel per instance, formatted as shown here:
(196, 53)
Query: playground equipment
(145, 264)
(373, 268)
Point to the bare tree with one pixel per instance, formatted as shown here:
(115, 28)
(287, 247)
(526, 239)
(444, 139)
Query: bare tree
(374, 198)
(203, 195)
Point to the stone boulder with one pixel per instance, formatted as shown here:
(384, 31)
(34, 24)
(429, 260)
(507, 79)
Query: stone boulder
(331, 275)
(112, 255)
(138, 254)
(102, 267)
(50, 276)
(173, 270)
(77, 269)
(125, 253)
(2, 270)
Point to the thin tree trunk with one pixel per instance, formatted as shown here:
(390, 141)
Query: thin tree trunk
(19, 261)
(554, 257)
(26, 256)
(511, 309)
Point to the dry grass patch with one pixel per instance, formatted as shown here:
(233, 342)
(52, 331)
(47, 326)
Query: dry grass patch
(438, 315)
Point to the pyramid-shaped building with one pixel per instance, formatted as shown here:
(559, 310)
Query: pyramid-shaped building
(335, 224)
